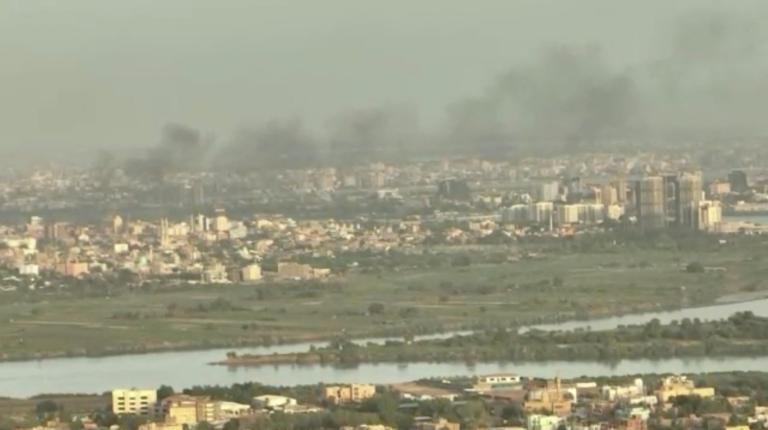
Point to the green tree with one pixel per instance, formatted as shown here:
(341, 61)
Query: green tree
(164, 392)
(232, 425)
(47, 409)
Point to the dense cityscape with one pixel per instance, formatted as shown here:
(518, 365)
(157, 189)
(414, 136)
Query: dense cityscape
(381, 209)
(397, 215)
(142, 240)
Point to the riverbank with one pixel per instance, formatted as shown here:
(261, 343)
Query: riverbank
(742, 334)
(750, 302)
(559, 285)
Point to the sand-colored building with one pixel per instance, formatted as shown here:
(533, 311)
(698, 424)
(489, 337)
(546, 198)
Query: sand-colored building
(553, 399)
(133, 401)
(340, 394)
(674, 386)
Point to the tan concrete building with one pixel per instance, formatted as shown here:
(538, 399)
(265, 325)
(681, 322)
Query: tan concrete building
(674, 386)
(187, 410)
(133, 401)
(290, 270)
(340, 394)
(553, 399)
(298, 271)
(251, 273)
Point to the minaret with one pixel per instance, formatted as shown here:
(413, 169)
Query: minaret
(164, 240)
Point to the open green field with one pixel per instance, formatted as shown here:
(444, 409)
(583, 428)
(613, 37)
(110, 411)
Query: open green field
(552, 286)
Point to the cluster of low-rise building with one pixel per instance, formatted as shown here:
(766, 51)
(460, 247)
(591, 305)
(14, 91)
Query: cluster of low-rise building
(547, 404)
(585, 405)
(182, 411)
(622, 404)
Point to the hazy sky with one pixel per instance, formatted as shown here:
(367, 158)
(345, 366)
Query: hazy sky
(78, 74)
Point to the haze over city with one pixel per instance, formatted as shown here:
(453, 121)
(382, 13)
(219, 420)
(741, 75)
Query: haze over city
(393, 215)
(87, 76)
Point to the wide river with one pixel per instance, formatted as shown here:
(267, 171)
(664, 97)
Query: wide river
(188, 368)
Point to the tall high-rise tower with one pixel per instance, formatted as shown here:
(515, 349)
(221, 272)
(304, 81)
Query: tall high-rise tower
(651, 202)
(739, 181)
(691, 193)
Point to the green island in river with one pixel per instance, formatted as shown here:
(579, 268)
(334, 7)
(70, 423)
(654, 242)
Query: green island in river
(741, 334)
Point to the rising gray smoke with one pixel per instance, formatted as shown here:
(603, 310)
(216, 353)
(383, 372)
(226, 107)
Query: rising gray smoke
(277, 144)
(707, 83)
(568, 95)
(372, 134)
(181, 148)
(710, 82)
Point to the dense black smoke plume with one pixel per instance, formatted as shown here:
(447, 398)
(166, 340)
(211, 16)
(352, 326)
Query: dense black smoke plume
(181, 148)
(569, 95)
(706, 83)
(103, 167)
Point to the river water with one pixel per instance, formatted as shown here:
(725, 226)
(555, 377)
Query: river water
(188, 368)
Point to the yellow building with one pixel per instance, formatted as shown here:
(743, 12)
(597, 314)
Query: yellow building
(339, 394)
(183, 409)
(674, 386)
(290, 270)
(133, 401)
(251, 273)
(552, 399)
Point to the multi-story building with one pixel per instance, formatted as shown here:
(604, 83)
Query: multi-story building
(739, 182)
(188, 410)
(133, 401)
(710, 215)
(650, 202)
(270, 401)
(547, 191)
(515, 214)
(340, 394)
(719, 188)
(553, 399)
(690, 194)
(567, 214)
(251, 273)
(674, 386)
(623, 392)
(291, 270)
(541, 213)
(497, 381)
(591, 213)
(220, 221)
(609, 195)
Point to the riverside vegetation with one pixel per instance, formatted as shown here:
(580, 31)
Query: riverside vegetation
(440, 288)
(741, 334)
